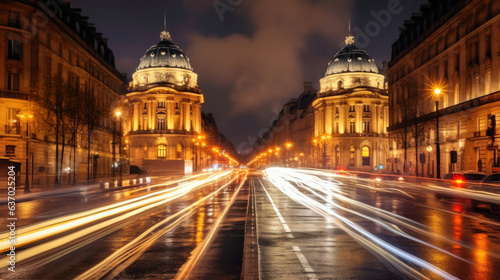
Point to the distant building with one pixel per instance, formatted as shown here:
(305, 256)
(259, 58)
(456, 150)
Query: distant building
(351, 113)
(45, 45)
(453, 46)
(293, 126)
(163, 109)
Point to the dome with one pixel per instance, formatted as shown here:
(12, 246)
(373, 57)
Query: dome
(164, 54)
(351, 59)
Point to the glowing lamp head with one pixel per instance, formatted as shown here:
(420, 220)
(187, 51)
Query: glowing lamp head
(118, 113)
(437, 91)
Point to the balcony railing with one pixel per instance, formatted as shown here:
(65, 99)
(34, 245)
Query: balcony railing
(14, 94)
(12, 129)
(168, 131)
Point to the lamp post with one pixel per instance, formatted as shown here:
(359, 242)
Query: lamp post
(437, 92)
(118, 115)
(28, 117)
(288, 145)
(429, 150)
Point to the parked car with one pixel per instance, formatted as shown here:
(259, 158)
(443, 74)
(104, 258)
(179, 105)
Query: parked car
(490, 184)
(137, 170)
(460, 178)
(493, 179)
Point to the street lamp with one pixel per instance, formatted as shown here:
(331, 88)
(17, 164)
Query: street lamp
(437, 92)
(429, 150)
(118, 115)
(27, 116)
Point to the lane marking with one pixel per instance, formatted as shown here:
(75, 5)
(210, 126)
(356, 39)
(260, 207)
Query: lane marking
(302, 259)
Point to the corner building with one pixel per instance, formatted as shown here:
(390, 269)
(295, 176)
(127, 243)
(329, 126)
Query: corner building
(351, 113)
(454, 46)
(59, 43)
(163, 109)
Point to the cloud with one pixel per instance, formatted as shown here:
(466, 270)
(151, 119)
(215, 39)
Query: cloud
(266, 67)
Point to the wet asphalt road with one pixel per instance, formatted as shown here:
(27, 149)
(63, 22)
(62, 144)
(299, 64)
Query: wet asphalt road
(306, 232)
(150, 240)
(300, 225)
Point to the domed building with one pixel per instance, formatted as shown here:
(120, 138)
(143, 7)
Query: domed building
(163, 110)
(351, 112)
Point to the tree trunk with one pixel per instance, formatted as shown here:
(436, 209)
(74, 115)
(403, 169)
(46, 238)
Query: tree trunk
(57, 154)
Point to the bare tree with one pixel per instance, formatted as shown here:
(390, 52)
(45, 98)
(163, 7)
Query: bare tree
(416, 121)
(93, 113)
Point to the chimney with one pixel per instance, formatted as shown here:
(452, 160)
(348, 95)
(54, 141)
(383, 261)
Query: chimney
(308, 87)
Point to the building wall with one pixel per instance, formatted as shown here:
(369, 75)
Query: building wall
(349, 121)
(61, 45)
(454, 46)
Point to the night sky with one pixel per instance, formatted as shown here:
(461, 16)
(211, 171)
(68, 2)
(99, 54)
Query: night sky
(251, 56)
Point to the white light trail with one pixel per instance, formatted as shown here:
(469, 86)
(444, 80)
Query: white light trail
(126, 209)
(311, 191)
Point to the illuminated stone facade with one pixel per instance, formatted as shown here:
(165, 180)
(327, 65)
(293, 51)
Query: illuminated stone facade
(351, 113)
(453, 46)
(58, 43)
(163, 106)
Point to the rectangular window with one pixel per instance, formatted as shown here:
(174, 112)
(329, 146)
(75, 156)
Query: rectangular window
(13, 82)
(336, 109)
(352, 108)
(161, 104)
(14, 19)
(366, 108)
(161, 124)
(366, 127)
(336, 127)
(14, 49)
(353, 127)
(10, 150)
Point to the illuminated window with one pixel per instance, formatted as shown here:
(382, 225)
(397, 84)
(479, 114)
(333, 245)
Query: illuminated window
(352, 155)
(162, 151)
(179, 151)
(365, 155)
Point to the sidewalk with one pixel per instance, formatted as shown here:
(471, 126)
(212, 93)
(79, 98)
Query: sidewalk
(93, 187)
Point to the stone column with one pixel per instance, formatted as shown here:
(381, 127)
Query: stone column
(359, 117)
(328, 119)
(342, 118)
(170, 114)
(136, 116)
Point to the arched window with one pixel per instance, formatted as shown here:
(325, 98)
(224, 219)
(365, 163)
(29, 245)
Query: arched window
(340, 85)
(365, 155)
(352, 155)
(162, 151)
(179, 151)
